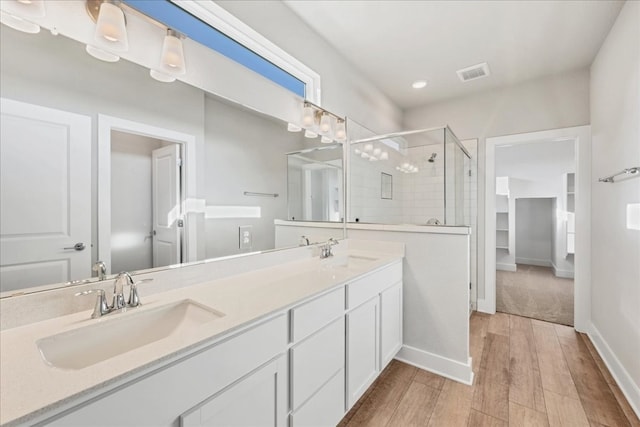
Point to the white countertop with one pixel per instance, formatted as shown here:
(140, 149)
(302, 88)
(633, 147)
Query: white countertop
(29, 387)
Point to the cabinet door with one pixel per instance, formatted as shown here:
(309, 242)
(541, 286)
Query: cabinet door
(390, 323)
(259, 399)
(362, 349)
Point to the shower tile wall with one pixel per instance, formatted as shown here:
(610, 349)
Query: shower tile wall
(417, 197)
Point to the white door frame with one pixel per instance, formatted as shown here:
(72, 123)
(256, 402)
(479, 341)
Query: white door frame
(106, 124)
(582, 280)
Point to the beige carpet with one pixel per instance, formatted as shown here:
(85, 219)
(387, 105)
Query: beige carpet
(535, 292)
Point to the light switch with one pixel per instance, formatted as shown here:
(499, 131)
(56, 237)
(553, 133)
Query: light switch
(245, 238)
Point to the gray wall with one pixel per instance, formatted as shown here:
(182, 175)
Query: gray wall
(615, 249)
(534, 231)
(548, 103)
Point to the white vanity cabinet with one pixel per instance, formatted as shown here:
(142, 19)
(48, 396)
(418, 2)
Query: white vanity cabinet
(209, 384)
(317, 358)
(374, 327)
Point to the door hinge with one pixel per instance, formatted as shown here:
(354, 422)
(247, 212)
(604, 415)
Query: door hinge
(469, 172)
(180, 223)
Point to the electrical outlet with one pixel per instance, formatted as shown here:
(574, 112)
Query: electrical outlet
(245, 238)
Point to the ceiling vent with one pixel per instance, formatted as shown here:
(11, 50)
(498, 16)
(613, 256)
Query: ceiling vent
(474, 72)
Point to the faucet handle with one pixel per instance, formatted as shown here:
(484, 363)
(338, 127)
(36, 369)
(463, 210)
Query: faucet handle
(101, 307)
(134, 298)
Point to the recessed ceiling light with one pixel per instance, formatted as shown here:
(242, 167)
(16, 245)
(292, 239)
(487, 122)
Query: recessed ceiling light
(419, 84)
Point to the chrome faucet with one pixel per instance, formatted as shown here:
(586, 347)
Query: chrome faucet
(101, 268)
(122, 279)
(102, 307)
(304, 241)
(325, 249)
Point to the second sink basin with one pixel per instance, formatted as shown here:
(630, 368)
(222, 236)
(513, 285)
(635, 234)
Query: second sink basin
(121, 333)
(347, 261)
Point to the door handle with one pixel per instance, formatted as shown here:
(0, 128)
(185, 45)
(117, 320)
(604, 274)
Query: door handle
(78, 247)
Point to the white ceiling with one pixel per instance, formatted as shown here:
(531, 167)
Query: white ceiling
(394, 43)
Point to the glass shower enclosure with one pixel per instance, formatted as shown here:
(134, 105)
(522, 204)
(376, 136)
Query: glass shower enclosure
(414, 177)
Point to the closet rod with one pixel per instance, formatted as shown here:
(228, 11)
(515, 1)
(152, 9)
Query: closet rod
(629, 171)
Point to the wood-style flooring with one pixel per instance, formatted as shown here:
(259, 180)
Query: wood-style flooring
(527, 373)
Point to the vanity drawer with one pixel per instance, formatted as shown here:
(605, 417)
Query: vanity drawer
(364, 289)
(313, 315)
(315, 360)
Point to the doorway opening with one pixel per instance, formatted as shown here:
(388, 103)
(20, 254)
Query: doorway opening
(537, 225)
(145, 199)
(146, 182)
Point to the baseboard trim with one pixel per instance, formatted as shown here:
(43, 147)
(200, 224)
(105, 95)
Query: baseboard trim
(484, 306)
(537, 262)
(630, 390)
(443, 366)
(506, 267)
(566, 274)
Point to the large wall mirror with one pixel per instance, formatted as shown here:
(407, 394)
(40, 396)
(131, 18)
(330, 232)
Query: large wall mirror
(101, 162)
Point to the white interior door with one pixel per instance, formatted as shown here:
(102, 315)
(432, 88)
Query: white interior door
(45, 195)
(165, 173)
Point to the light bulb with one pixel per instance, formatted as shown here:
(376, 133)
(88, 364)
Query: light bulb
(307, 116)
(161, 77)
(341, 130)
(310, 134)
(102, 55)
(384, 156)
(325, 123)
(293, 128)
(111, 30)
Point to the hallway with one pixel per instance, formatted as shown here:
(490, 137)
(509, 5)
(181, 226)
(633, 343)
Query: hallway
(528, 373)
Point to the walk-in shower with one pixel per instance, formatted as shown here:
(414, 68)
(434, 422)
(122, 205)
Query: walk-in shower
(416, 177)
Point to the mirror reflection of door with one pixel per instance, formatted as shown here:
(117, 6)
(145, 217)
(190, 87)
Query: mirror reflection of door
(45, 180)
(145, 202)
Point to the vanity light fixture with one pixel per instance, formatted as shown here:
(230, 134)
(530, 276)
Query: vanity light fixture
(341, 131)
(325, 123)
(419, 84)
(172, 57)
(17, 14)
(102, 55)
(308, 116)
(326, 140)
(111, 29)
(161, 77)
(310, 134)
(293, 128)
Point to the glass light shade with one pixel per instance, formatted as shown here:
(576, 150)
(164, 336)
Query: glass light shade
(172, 57)
(24, 8)
(384, 156)
(310, 134)
(364, 155)
(377, 152)
(102, 55)
(341, 131)
(111, 30)
(326, 140)
(373, 159)
(161, 77)
(325, 123)
(357, 151)
(293, 128)
(307, 116)
(416, 169)
(405, 166)
(368, 148)
(17, 23)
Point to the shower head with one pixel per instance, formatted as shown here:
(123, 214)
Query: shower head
(432, 158)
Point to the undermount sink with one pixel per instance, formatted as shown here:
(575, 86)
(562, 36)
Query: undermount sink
(347, 261)
(121, 333)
